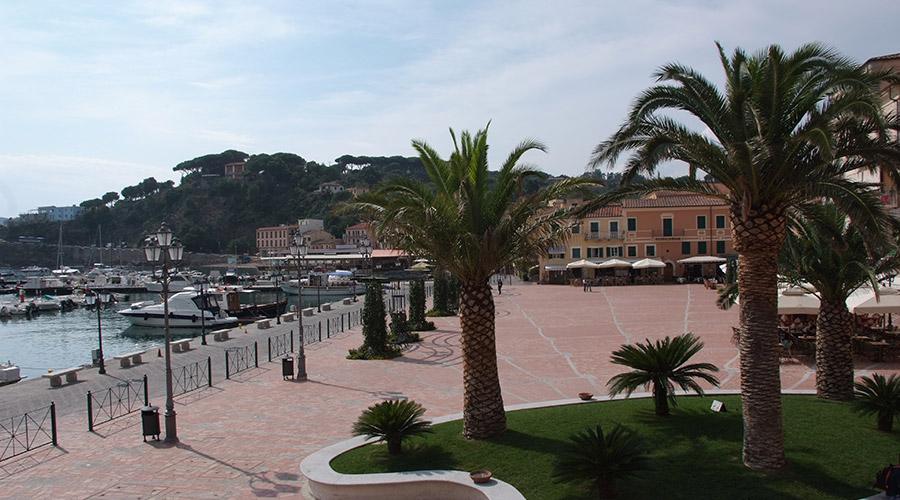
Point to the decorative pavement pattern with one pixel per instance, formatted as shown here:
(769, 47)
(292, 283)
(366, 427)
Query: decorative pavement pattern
(246, 437)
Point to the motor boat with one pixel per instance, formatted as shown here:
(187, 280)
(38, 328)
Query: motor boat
(177, 283)
(187, 309)
(337, 283)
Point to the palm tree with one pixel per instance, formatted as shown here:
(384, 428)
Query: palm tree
(472, 225)
(661, 365)
(787, 129)
(830, 256)
(602, 458)
(392, 421)
(879, 396)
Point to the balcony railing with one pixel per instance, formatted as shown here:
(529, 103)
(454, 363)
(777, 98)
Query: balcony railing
(609, 235)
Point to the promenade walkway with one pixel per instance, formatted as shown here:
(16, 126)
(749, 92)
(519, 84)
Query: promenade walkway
(245, 437)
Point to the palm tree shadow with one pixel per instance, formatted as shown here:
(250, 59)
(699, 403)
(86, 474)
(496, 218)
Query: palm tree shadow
(260, 484)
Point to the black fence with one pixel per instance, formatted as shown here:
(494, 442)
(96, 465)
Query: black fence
(192, 377)
(238, 359)
(28, 431)
(116, 401)
(281, 344)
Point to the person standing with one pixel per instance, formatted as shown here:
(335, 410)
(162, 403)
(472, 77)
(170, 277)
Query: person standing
(499, 285)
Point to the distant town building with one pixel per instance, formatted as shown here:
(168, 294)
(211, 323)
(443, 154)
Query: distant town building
(890, 105)
(330, 187)
(274, 241)
(356, 191)
(358, 232)
(235, 170)
(51, 213)
(306, 225)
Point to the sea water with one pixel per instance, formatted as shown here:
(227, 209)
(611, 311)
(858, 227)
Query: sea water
(58, 340)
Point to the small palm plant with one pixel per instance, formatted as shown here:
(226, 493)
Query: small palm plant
(661, 365)
(879, 396)
(602, 458)
(392, 422)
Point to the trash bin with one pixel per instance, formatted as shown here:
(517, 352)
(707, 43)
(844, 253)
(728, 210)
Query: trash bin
(150, 421)
(287, 367)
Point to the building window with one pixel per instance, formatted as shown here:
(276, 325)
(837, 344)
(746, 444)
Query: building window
(613, 229)
(701, 247)
(595, 253)
(701, 222)
(632, 223)
(685, 247)
(632, 251)
(720, 222)
(720, 247)
(667, 227)
(595, 227)
(576, 252)
(613, 251)
(650, 250)
(556, 253)
(576, 229)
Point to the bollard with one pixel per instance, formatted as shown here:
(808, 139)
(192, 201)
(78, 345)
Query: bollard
(90, 413)
(53, 423)
(270, 349)
(146, 392)
(208, 371)
(227, 367)
(256, 353)
(291, 333)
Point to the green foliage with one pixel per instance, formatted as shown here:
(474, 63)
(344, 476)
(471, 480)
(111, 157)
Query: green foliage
(392, 422)
(212, 163)
(602, 458)
(879, 396)
(375, 343)
(416, 303)
(661, 365)
(446, 294)
(833, 451)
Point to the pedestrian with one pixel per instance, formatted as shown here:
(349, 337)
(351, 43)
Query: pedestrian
(584, 284)
(499, 285)
(590, 283)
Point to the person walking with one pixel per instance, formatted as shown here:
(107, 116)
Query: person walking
(499, 285)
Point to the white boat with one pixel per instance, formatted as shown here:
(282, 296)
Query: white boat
(338, 283)
(177, 283)
(9, 374)
(184, 311)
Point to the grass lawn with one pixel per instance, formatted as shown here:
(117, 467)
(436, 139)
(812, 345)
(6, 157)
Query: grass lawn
(832, 452)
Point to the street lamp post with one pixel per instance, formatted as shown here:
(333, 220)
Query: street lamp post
(365, 248)
(298, 250)
(98, 299)
(276, 275)
(163, 250)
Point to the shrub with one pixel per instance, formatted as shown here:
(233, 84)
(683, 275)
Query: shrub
(392, 422)
(375, 344)
(879, 396)
(602, 458)
(416, 303)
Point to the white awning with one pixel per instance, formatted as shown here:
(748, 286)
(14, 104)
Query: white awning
(555, 267)
(702, 259)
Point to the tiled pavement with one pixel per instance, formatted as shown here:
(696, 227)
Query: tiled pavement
(245, 437)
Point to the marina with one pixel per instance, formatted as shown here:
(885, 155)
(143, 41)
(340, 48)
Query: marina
(55, 340)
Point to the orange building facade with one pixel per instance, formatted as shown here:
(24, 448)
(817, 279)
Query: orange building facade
(666, 226)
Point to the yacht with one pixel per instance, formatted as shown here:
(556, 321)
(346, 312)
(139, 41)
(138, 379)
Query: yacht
(185, 311)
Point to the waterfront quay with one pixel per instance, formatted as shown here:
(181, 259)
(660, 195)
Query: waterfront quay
(245, 437)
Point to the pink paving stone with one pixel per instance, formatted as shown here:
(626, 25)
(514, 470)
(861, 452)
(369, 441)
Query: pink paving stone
(245, 438)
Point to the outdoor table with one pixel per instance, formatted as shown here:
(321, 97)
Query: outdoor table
(880, 345)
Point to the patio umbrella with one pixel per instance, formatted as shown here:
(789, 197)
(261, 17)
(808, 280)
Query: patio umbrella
(865, 302)
(797, 301)
(648, 263)
(614, 263)
(702, 259)
(421, 266)
(582, 264)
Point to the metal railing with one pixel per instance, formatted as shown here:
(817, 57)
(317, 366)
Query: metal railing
(281, 344)
(116, 401)
(192, 377)
(238, 359)
(28, 431)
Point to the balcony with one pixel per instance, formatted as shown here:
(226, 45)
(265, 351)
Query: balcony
(611, 235)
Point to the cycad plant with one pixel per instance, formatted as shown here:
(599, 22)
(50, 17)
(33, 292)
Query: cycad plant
(602, 458)
(879, 396)
(392, 422)
(662, 365)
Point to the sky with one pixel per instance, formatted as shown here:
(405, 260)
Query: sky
(97, 96)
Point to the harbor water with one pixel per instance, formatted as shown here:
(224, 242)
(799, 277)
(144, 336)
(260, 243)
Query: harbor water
(57, 340)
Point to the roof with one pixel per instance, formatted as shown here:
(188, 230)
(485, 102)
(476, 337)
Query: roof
(614, 210)
(689, 200)
(885, 58)
(361, 225)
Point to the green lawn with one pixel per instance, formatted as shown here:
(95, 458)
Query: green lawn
(832, 452)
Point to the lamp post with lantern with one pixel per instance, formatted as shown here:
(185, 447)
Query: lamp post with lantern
(299, 251)
(165, 251)
(98, 299)
(365, 248)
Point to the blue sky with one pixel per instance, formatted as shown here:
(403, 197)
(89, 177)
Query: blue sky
(96, 96)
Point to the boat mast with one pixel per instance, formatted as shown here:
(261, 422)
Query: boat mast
(59, 248)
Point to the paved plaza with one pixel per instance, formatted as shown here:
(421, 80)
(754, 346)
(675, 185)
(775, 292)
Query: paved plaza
(246, 437)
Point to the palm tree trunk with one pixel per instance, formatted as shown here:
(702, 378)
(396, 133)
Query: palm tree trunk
(760, 369)
(886, 422)
(606, 487)
(660, 400)
(834, 352)
(483, 414)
